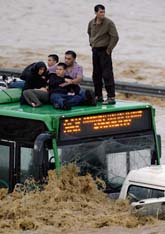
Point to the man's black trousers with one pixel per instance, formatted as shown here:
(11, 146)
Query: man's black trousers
(102, 71)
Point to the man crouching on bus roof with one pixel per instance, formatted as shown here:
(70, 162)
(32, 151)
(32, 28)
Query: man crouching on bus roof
(63, 97)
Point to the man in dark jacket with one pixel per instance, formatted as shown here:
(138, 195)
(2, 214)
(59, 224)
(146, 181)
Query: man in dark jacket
(103, 37)
(63, 97)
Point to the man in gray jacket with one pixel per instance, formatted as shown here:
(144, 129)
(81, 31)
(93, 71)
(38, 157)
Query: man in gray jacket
(103, 37)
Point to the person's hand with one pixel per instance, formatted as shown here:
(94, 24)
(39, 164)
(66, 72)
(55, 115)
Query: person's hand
(69, 81)
(43, 77)
(108, 52)
(63, 84)
(71, 93)
(43, 89)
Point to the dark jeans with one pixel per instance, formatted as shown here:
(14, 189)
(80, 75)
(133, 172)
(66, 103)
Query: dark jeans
(17, 84)
(103, 71)
(38, 97)
(59, 98)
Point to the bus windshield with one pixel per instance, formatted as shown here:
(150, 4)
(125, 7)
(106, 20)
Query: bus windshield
(110, 158)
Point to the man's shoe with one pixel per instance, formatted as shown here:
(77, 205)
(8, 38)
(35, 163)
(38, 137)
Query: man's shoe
(56, 106)
(90, 98)
(109, 101)
(99, 99)
(66, 106)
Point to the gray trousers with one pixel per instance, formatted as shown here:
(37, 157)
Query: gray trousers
(38, 97)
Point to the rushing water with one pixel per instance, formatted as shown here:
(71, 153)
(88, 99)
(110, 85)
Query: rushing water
(30, 30)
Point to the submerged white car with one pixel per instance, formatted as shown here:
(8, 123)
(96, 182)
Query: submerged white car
(152, 206)
(144, 183)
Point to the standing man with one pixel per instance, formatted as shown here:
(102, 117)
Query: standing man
(103, 37)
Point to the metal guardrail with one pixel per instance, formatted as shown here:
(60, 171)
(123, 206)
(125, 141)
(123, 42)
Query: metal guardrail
(121, 86)
(10, 72)
(134, 88)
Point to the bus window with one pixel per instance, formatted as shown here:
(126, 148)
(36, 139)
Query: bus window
(89, 157)
(26, 163)
(4, 165)
(109, 158)
(144, 155)
(119, 164)
(114, 167)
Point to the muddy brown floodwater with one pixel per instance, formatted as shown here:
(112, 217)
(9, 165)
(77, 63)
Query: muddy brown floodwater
(30, 30)
(69, 204)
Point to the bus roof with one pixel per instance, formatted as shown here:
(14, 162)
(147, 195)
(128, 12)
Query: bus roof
(10, 106)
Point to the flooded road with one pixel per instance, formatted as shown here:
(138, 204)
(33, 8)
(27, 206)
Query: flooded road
(30, 30)
(70, 204)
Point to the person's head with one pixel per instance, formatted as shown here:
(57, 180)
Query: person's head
(40, 68)
(70, 57)
(60, 69)
(99, 11)
(52, 59)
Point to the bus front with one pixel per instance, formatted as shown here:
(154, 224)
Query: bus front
(106, 141)
(109, 142)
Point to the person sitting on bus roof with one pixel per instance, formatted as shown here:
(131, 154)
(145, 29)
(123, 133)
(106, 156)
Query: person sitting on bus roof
(53, 60)
(35, 89)
(36, 97)
(75, 71)
(16, 84)
(63, 97)
(29, 71)
(34, 76)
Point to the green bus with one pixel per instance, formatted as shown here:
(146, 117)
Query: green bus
(105, 140)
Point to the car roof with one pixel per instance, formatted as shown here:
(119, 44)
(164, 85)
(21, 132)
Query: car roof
(152, 176)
